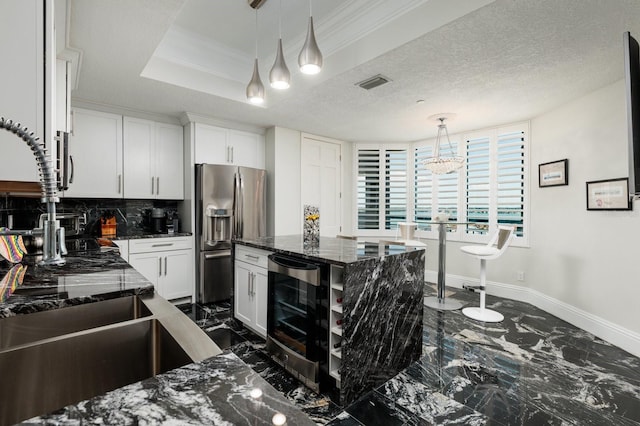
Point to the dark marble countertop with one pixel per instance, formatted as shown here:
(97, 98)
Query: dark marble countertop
(87, 276)
(214, 391)
(336, 251)
(141, 236)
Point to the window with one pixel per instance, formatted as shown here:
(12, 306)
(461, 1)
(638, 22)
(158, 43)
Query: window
(490, 189)
(382, 188)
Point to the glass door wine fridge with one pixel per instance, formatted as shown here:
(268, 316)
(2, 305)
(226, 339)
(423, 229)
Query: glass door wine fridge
(297, 335)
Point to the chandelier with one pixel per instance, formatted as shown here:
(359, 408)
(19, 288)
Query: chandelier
(442, 165)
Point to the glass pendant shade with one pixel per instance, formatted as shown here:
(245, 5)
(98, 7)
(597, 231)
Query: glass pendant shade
(255, 89)
(310, 57)
(442, 165)
(279, 75)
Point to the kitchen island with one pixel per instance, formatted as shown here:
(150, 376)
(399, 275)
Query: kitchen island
(375, 304)
(218, 389)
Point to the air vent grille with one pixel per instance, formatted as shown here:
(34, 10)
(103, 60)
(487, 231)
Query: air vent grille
(375, 81)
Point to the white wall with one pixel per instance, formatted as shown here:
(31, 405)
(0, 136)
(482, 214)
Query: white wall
(282, 154)
(583, 263)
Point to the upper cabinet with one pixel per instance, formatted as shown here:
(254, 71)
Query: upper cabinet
(95, 147)
(217, 145)
(23, 75)
(122, 157)
(153, 166)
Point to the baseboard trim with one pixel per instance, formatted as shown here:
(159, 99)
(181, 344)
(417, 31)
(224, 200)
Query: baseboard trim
(604, 329)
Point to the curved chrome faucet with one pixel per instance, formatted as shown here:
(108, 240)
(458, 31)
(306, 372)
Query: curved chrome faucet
(53, 234)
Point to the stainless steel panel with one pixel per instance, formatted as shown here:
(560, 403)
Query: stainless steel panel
(307, 273)
(44, 377)
(216, 276)
(214, 194)
(24, 329)
(305, 370)
(253, 203)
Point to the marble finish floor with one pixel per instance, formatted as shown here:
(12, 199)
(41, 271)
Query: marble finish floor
(531, 369)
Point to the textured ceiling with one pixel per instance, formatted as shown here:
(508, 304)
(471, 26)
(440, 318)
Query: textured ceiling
(507, 61)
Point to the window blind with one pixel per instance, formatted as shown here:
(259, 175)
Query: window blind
(395, 187)
(478, 182)
(511, 180)
(422, 186)
(368, 189)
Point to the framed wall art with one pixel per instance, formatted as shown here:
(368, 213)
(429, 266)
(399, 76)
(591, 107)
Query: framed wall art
(554, 173)
(610, 194)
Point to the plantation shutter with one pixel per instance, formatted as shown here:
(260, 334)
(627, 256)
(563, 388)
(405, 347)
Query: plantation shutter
(423, 187)
(368, 189)
(395, 187)
(447, 185)
(511, 180)
(478, 182)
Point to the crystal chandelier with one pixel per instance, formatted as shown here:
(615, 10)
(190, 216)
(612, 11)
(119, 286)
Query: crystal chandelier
(442, 165)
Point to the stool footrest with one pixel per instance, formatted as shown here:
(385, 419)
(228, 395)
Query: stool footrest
(473, 287)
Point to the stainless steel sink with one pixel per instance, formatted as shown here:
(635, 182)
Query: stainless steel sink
(23, 329)
(88, 350)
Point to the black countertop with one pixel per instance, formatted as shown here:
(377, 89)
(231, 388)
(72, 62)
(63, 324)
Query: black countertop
(217, 390)
(337, 251)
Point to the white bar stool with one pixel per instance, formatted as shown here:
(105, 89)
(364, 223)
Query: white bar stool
(498, 244)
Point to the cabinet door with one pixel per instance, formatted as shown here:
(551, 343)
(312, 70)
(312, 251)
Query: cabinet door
(243, 148)
(211, 144)
(244, 304)
(177, 274)
(95, 147)
(261, 295)
(138, 151)
(169, 162)
(22, 77)
(149, 265)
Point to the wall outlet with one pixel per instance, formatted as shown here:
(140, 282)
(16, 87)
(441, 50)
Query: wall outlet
(520, 275)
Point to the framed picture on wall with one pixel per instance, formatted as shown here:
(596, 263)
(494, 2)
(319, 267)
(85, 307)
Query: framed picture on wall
(554, 173)
(610, 194)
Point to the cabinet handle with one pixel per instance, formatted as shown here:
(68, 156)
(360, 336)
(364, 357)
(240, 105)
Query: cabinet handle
(251, 275)
(157, 185)
(119, 184)
(248, 283)
(159, 266)
(152, 185)
(165, 266)
(232, 154)
(162, 245)
(73, 122)
(251, 256)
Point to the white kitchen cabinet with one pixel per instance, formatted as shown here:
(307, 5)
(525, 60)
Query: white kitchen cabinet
(22, 74)
(217, 145)
(167, 263)
(95, 148)
(251, 288)
(63, 96)
(153, 166)
(123, 246)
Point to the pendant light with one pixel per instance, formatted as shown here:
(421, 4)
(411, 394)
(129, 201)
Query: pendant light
(442, 165)
(279, 75)
(255, 89)
(310, 57)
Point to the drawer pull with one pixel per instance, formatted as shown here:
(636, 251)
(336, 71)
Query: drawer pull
(252, 256)
(162, 245)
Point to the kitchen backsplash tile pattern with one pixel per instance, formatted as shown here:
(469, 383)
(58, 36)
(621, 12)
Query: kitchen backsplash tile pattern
(132, 216)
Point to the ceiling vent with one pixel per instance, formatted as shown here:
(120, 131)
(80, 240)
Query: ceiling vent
(256, 3)
(375, 81)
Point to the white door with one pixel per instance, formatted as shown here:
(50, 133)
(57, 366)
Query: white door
(177, 279)
(211, 144)
(139, 171)
(321, 182)
(22, 77)
(243, 148)
(244, 304)
(169, 164)
(148, 264)
(95, 147)
(261, 295)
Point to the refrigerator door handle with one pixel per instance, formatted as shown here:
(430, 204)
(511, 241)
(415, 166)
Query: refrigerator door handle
(237, 217)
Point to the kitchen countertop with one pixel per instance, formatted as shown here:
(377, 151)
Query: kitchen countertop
(213, 391)
(141, 236)
(337, 251)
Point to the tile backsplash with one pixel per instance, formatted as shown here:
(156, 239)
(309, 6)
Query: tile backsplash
(132, 216)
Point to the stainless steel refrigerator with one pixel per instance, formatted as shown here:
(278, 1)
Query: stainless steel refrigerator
(230, 203)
